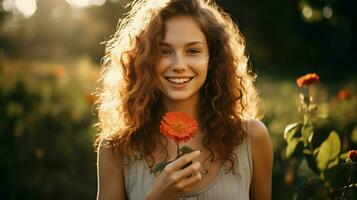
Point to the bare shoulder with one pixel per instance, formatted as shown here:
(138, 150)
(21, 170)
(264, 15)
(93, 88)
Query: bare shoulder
(260, 140)
(106, 151)
(259, 133)
(109, 173)
(262, 157)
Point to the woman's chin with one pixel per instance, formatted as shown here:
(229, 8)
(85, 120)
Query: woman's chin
(179, 96)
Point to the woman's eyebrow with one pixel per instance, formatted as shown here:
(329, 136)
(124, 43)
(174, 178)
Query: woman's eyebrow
(187, 44)
(195, 42)
(164, 44)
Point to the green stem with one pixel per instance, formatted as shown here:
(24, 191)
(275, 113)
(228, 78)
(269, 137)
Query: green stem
(178, 150)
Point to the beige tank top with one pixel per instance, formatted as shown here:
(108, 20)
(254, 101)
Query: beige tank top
(227, 186)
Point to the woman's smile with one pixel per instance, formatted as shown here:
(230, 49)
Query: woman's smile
(179, 82)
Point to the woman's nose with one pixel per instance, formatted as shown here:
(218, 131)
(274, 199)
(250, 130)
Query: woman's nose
(179, 63)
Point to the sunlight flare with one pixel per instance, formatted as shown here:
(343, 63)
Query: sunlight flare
(26, 7)
(85, 3)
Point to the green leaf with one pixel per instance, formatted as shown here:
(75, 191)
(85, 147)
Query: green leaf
(295, 146)
(185, 150)
(307, 132)
(291, 131)
(160, 166)
(307, 152)
(329, 150)
(316, 151)
(354, 135)
(343, 156)
(333, 163)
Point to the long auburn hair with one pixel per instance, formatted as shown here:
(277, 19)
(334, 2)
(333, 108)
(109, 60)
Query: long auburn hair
(129, 101)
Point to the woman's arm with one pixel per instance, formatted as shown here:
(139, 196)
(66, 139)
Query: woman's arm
(262, 157)
(110, 174)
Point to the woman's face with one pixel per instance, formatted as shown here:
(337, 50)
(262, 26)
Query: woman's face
(182, 67)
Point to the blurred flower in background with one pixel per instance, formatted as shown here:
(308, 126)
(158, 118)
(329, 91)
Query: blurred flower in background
(307, 79)
(59, 71)
(343, 94)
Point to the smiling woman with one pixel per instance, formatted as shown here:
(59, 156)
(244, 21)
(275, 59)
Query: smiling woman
(183, 56)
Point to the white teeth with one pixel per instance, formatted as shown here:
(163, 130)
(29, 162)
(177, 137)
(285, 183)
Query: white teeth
(178, 80)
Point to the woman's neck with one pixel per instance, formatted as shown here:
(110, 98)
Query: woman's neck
(190, 106)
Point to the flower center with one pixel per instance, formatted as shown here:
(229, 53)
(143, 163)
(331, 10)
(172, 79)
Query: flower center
(179, 127)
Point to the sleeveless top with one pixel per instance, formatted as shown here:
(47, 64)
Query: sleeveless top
(228, 186)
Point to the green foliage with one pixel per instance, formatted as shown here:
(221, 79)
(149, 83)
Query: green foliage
(321, 170)
(329, 150)
(160, 166)
(45, 137)
(295, 147)
(292, 131)
(307, 133)
(185, 150)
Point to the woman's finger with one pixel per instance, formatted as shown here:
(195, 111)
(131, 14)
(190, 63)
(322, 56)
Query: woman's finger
(188, 171)
(180, 162)
(186, 183)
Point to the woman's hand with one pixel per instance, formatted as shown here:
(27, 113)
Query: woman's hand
(174, 181)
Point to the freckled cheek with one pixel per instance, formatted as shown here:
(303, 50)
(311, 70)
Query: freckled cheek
(200, 64)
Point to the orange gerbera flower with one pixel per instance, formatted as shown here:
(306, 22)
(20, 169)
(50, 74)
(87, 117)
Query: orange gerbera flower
(178, 126)
(307, 79)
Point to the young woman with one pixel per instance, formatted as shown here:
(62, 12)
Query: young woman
(187, 56)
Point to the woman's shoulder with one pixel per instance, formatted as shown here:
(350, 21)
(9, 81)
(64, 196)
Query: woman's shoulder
(257, 130)
(260, 139)
(109, 172)
(106, 151)
(259, 136)
(104, 143)
(262, 159)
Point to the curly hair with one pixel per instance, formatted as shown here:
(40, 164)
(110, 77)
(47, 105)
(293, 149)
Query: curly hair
(129, 101)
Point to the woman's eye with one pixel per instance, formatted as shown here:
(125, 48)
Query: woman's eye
(194, 51)
(165, 52)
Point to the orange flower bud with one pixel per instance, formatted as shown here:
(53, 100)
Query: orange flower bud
(352, 156)
(59, 71)
(307, 79)
(344, 94)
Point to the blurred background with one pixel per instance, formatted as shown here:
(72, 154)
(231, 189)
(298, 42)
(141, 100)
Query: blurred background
(50, 52)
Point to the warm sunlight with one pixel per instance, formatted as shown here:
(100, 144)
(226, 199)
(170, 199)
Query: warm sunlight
(25, 7)
(78, 3)
(85, 3)
(28, 7)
